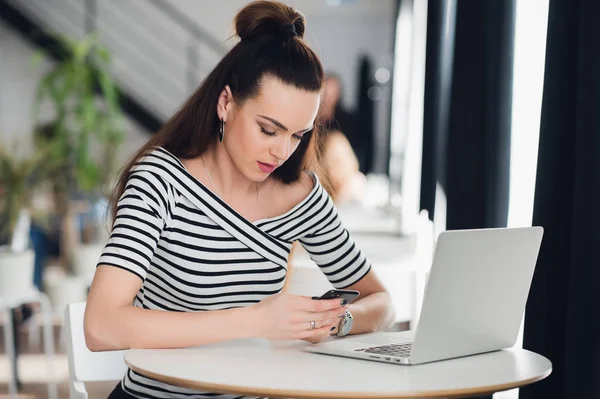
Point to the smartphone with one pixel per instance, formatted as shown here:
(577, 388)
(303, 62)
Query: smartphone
(348, 295)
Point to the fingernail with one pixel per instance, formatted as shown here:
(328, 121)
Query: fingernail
(339, 317)
(344, 302)
(332, 328)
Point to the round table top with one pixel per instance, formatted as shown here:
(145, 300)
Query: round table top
(283, 369)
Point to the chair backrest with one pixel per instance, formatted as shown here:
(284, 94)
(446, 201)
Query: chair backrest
(85, 365)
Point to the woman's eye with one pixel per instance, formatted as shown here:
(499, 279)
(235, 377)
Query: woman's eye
(298, 137)
(268, 133)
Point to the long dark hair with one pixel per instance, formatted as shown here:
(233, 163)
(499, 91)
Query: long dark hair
(271, 43)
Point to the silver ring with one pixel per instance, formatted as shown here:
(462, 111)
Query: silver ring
(313, 325)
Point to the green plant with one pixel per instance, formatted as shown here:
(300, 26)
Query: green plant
(86, 111)
(19, 177)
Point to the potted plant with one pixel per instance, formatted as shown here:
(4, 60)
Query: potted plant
(19, 177)
(86, 116)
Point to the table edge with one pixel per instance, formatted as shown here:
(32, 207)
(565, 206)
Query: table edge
(239, 390)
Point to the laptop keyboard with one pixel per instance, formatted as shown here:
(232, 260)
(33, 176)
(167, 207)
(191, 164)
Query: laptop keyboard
(399, 350)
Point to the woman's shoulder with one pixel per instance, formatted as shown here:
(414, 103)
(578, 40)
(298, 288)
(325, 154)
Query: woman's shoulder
(152, 173)
(298, 191)
(157, 162)
(308, 182)
(284, 197)
(156, 156)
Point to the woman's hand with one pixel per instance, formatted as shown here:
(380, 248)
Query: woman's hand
(326, 334)
(286, 317)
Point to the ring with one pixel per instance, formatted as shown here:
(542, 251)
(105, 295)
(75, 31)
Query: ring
(313, 325)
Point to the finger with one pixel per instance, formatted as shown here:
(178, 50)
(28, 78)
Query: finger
(333, 322)
(324, 305)
(322, 317)
(334, 331)
(307, 325)
(302, 302)
(316, 340)
(321, 305)
(333, 316)
(306, 328)
(323, 331)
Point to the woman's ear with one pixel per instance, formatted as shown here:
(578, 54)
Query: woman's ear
(225, 103)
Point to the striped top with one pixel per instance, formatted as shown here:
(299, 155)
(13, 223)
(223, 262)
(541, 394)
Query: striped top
(193, 252)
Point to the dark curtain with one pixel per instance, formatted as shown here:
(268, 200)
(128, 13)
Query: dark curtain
(441, 17)
(364, 146)
(467, 142)
(562, 319)
(478, 143)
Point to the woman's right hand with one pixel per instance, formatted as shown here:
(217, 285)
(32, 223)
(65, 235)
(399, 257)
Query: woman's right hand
(287, 317)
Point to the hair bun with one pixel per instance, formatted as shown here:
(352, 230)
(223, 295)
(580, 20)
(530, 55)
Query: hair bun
(269, 18)
(288, 30)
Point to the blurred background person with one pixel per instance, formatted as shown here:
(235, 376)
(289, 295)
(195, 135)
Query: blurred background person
(335, 117)
(338, 154)
(340, 164)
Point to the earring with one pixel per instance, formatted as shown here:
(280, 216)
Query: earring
(222, 131)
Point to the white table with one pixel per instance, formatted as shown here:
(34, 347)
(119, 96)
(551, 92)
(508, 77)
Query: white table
(283, 370)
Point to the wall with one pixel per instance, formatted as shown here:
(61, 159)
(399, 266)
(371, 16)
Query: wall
(340, 35)
(18, 83)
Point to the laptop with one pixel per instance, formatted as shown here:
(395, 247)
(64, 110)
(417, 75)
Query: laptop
(473, 303)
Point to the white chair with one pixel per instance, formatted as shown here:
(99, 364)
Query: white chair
(6, 304)
(84, 365)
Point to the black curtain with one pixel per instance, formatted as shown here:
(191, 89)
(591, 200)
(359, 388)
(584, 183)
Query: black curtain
(467, 148)
(562, 319)
(365, 117)
(441, 17)
(478, 149)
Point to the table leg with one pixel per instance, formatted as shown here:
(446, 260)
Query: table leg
(9, 341)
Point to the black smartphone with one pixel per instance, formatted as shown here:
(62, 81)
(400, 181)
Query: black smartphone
(348, 295)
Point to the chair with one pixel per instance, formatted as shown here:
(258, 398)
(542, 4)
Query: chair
(84, 365)
(6, 304)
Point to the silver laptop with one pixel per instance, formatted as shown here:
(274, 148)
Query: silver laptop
(474, 300)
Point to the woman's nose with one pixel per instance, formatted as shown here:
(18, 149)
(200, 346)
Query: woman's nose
(281, 149)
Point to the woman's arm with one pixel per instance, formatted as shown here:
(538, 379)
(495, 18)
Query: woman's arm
(112, 323)
(331, 247)
(373, 311)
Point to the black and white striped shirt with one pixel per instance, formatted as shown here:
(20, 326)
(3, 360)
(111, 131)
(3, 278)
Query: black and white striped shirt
(193, 252)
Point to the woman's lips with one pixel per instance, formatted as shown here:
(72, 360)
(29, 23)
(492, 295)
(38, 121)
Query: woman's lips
(266, 167)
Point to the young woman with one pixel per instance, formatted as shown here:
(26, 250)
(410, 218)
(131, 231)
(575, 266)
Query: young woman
(206, 213)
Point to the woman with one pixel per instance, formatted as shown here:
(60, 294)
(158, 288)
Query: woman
(341, 167)
(206, 213)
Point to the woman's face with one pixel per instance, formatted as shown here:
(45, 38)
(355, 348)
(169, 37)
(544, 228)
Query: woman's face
(264, 131)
